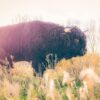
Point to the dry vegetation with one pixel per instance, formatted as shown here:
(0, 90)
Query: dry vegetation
(74, 79)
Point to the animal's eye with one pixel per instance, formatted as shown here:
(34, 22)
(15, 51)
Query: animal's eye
(76, 41)
(64, 33)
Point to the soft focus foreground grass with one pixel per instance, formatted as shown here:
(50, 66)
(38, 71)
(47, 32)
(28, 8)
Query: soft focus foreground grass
(74, 79)
(76, 64)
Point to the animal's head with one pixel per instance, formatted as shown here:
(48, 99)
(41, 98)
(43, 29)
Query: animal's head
(74, 42)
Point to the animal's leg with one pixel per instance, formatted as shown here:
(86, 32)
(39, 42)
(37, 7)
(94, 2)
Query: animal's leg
(10, 61)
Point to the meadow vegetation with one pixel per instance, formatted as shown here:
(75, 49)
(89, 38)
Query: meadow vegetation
(74, 79)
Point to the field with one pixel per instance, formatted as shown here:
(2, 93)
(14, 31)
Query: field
(74, 79)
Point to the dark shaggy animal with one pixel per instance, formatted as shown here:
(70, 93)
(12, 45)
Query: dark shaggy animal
(35, 40)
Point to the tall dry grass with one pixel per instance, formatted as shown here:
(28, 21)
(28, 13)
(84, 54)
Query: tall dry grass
(74, 79)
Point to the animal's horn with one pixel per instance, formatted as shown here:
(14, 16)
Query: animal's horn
(67, 29)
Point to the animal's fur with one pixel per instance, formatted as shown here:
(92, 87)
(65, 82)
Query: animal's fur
(34, 40)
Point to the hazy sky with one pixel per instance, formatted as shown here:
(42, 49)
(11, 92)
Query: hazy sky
(49, 10)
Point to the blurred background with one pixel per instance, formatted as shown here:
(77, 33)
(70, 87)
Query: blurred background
(82, 13)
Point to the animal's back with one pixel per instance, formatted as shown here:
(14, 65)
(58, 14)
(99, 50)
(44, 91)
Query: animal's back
(20, 39)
